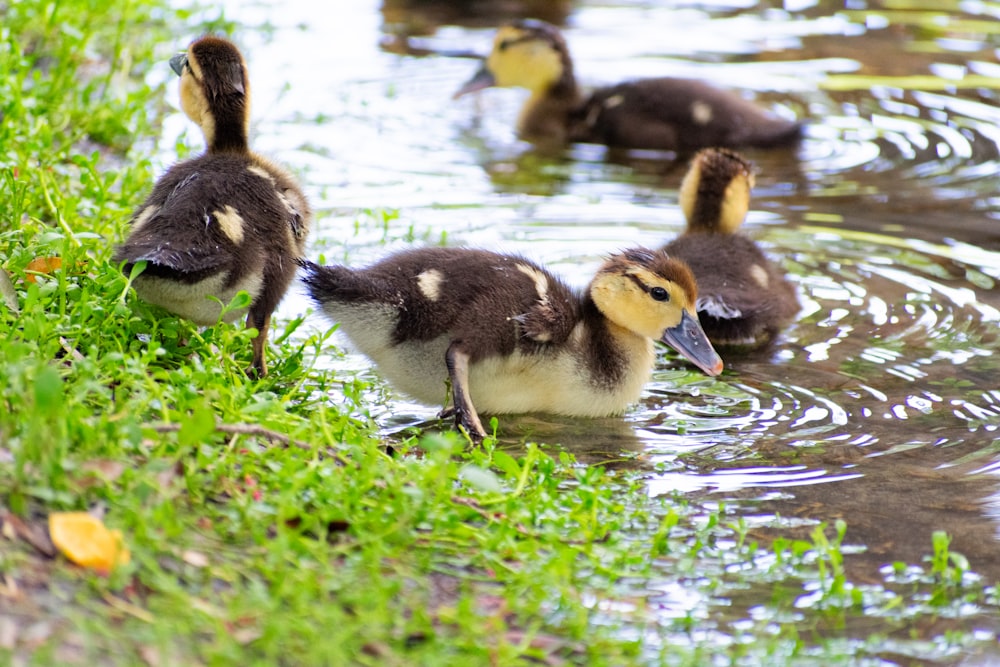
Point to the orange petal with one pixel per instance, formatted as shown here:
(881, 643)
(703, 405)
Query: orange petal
(84, 540)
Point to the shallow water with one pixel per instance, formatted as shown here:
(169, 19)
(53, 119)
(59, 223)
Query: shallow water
(880, 405)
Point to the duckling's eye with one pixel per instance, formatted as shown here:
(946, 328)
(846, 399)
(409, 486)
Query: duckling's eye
(505, 44)
(659, 294)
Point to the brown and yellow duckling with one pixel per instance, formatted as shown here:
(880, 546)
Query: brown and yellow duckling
(663, 113)
(226, 221)
(508, 335)
(744, 300)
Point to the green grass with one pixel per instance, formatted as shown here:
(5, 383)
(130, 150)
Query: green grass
(268, 525)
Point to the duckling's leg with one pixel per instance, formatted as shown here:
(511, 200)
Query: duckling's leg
(259, 319)
(458, 372)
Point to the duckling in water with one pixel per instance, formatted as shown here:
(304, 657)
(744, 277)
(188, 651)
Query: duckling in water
(508, 335)
(744, 299)
(224, 222)
(663, 113)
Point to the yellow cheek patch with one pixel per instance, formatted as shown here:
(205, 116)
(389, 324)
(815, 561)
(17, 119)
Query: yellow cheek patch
(531, 64)
(688, 194)
(735, 203)
(629, 305)
(196, 106)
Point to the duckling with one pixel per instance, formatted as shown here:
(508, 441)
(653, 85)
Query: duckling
(663, 113)
(744, 299)
(508, 335)
(226, 221)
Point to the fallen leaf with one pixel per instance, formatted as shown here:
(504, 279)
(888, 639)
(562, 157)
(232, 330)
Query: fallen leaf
(86, 541)
(244, 636)
(195, 558)
(9, 292)
(106, 469)
(32, 534)
(41, 265)
(9, 588)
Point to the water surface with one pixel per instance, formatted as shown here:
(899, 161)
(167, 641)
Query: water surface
(880, 405)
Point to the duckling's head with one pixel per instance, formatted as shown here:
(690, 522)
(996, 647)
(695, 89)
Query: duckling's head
(528, 54)
(215, 91)
(715, 193)
(653, 295)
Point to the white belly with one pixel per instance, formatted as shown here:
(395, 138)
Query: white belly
(417, 369)
(193, 301)
(554, 383)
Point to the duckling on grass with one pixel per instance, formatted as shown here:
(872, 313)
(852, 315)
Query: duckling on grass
(744, 300)
(226, 221)
(508, 335)
(663, 113)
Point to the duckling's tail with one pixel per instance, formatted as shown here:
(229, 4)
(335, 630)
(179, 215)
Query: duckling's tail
(328, 283)
(774, 133)
(311, 267)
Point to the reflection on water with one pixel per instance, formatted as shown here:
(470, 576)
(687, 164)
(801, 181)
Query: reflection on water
(878, 406)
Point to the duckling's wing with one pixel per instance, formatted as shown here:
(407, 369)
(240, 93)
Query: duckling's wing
(550, 317)
(676, 114)
(209, 215)
(742, 295)
(186, 251)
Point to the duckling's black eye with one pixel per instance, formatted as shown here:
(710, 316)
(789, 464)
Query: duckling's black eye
(659, 294)
(504, 45)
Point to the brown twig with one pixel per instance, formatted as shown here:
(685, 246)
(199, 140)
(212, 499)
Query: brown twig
(252, 430)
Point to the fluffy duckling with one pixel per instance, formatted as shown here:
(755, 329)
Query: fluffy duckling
(663, 113)
(508, 335)
(744, 299)
(226, 221)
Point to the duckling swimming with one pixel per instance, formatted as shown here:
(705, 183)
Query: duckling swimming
(508, 335)
(663, 113)
(744, 299)
(226, 221)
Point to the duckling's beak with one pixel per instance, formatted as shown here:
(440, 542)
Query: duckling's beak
(690, 340)
(481, 79)
(177, 63)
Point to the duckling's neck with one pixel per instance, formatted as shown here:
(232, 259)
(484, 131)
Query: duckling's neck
(617, 357)
(714, 202)
(714, 215)
(228, 127)
(547, 111)
(228, 135)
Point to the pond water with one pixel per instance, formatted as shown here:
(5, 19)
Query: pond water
(880, 405)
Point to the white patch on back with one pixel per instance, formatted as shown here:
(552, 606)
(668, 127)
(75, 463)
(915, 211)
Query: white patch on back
(701, 112)
(144, 216)
(260, 171)
(716, 307)
(540, 279)
(231, 223)
(429, 284)
(613, 101)
(759, 274)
